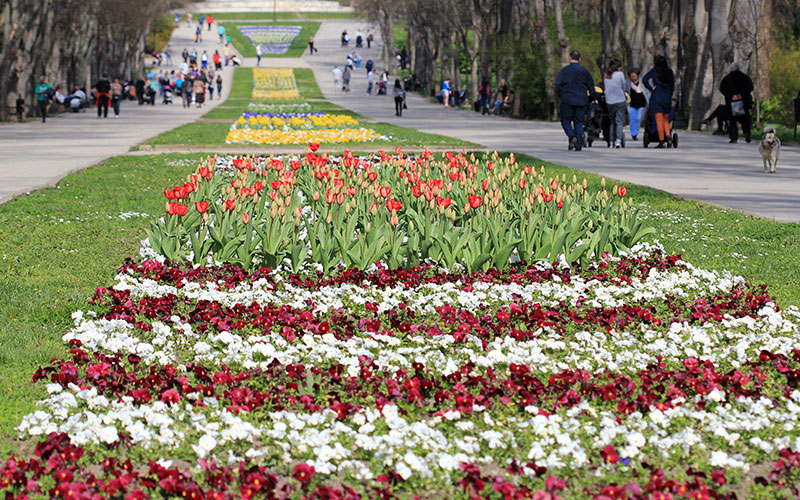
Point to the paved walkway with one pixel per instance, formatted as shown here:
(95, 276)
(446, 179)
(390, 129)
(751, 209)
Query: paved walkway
(704, 167)
(36, 154)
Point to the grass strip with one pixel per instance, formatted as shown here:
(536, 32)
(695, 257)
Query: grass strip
(247, 49)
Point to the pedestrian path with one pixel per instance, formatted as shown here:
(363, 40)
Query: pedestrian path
(35, 154)
(704, 167)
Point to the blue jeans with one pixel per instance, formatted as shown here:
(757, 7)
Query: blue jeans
(635, 117)
(572, 122)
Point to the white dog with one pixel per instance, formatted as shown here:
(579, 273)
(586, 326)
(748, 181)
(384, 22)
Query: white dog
(769, 148)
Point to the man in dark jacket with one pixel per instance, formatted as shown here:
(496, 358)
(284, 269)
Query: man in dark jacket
(103, 96)
(738, 89)
(574, 85)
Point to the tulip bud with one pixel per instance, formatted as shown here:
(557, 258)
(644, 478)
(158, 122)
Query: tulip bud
(245, 218)
(205, 217)
(329, 218)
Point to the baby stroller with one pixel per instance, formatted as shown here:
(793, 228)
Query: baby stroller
(651, 130)
(167, 94)
(597, 125)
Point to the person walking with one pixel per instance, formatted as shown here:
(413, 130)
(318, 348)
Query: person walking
(201, 20)
(370, 38)
(103, 88)
(198, 34)
(370, 81)
(258, 54)
(346, 79)
(660, 81)
(168, 53)
(399, 97)
(199, 88)
(221, 30)
(185, 55)
(446, 92)
(311, 48)
(615, 86)
(573, 86)
(638, 104)
(219, 86)
(486, 95)
(116, 96)
(186, 90)
(337, 75)
(737, 88)
(204, 61)
(209, 20)
(43, 90)
(217, 61)
(140, 90)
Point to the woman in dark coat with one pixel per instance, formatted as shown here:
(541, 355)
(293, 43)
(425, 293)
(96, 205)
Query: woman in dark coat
(661, 82)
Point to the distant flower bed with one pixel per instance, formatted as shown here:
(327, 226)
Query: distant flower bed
(323, 136)
(273, 39)
(297, 121)
(255, 107)
(274, 84)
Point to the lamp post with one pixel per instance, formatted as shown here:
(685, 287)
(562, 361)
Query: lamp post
(680, 116)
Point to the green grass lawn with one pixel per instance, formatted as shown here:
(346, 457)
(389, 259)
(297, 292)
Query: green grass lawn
(299, 45)
(51, 264)
(228, 16)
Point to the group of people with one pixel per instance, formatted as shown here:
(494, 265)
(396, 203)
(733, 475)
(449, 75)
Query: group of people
(498, 103)
(634, 97)
(360, 39)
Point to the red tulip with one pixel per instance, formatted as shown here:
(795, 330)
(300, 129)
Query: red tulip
(394, 205)
(201, 206)
(245, 217)
(372, 176)
(416, 191)
(313, 146)
(622, 191)
(258, 185)
(485, 184)
(276, 184)
(474, 201)
(181, 210)
(230, 205)
(386, 191)
(444, 202)
(522, 183)
(170, 194)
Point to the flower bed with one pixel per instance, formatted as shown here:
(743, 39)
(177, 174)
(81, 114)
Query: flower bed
(255, 107)
(273, 39)
(641, 374)
(294, 122)
(274, 84)
(623, 374)
(460, 210)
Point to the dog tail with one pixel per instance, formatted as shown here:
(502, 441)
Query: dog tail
(769, 129)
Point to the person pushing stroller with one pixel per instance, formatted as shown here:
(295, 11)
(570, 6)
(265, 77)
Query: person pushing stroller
(574, 85)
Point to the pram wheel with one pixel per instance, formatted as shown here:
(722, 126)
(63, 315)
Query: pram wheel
(674, 140)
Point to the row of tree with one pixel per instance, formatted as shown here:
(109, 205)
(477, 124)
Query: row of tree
(70, 42)
(524, 42)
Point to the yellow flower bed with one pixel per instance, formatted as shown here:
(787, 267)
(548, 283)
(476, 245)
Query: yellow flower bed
(325, 136)
(271, 84)
(295, 122)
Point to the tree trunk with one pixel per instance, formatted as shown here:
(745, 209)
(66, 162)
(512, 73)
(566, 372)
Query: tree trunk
(563, 40)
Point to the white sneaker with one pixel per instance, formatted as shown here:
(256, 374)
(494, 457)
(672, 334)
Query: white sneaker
(618, 144)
